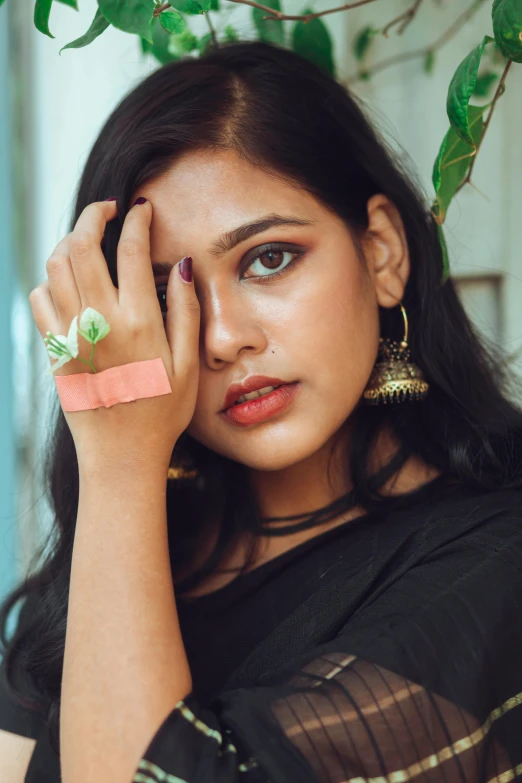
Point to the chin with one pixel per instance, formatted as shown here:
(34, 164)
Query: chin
(270, 450)
(272, 461)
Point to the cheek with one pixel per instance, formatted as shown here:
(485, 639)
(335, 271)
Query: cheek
(331, 330)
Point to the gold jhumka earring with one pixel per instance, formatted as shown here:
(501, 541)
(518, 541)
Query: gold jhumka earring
(178, 471)
(395, 378)
(182, 467)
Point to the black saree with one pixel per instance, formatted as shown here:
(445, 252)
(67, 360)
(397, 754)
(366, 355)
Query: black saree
(403, 663)
(387, 649)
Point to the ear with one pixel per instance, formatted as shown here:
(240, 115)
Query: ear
(386, 250)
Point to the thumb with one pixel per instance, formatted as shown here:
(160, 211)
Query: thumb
(183, 317)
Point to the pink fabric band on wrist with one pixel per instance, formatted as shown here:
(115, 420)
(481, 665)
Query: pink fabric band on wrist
(126, 383)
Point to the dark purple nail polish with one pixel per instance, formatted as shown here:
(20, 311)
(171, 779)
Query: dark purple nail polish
(185, 269)
(112, 198)
(140, 200)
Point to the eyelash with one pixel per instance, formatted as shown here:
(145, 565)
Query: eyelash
(270, 247)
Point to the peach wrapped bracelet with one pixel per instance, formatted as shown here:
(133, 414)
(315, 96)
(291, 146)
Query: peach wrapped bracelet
(126, 383)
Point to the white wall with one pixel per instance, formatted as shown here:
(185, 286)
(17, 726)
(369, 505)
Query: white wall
(70, 96)
(483, 229)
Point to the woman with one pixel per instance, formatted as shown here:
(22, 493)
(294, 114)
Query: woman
(345, 560)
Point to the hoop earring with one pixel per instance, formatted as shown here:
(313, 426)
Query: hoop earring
(395, 378)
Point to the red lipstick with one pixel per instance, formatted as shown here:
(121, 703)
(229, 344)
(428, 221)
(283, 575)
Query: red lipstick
(262, 408)
(251, 384)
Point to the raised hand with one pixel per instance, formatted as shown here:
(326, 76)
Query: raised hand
(78, 278)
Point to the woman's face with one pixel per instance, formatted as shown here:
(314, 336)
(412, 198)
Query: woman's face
(315, 323)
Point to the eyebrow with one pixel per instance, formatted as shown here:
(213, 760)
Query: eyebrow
(230, 239)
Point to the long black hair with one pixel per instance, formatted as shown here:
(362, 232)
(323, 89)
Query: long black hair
(285, 115)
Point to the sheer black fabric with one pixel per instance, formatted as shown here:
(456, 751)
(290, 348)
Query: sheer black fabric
(408, 669)
(387, 649)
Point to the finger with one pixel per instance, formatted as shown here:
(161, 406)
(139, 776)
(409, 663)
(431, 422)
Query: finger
(62, 283)
(87, 260)
(44, 311)
(183, 322)
(136, 286)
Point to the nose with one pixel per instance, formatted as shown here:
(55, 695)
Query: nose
(230, 326)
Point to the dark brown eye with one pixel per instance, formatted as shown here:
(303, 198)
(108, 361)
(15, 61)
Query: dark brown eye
(162, 297)
(273, 257)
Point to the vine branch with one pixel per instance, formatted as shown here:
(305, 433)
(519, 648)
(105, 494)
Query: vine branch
(498, 93)
(405, 18)
(279, 16)
(414, 54)
(160, 8)
(212, 30)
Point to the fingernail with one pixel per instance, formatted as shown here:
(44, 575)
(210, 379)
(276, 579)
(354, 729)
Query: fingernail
(185, 269)
(112, 198)
(140, 200)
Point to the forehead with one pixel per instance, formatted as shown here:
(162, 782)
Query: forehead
(207, 194)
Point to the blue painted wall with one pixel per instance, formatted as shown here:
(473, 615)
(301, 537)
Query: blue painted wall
(8, 482)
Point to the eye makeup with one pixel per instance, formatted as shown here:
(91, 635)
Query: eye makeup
(297, 251)
(272, 247)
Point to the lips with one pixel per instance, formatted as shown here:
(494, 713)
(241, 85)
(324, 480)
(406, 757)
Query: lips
(254, 383)
(262, 408)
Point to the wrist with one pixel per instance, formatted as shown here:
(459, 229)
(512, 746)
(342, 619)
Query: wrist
(123, 467)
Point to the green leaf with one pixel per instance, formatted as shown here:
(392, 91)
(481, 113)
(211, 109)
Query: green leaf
(161, 38)
(453, 161)
(42, 10)
(461, 89)
(270, 30)
(507, 28)
(495, 55)
(445, 254)
(214, 5)
(484, 82)
(72, 3)
(131, 16)
(93, 326)
(362, 41)
(146, 47)
(204, 43)
(172, 21)
(230, 33)
(191, 7)
(429, 61)
(312, 41)
(183, 43)
(64, 358)
(61, 347)
(98, 25)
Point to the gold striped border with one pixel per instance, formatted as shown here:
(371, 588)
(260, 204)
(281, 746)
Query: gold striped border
(449, 752)
(159, 774)
(399, 776)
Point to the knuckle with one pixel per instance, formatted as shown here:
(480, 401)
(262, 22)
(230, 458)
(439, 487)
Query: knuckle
(130, 246)
(192, 309)
(56, 262)
(34, 294)
(81, 244)
(137, 322)
(94, 207)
